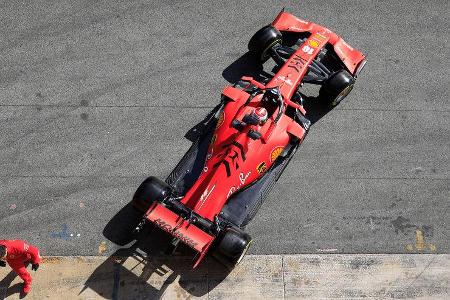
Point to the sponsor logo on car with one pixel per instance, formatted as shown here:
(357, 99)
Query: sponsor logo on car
(296, 63)
(317, 36)
(313, 43)
(242, 178)
(261, 167)
(285, 79)
(206, 194)
(220, 120)
(307, 49)
(166, 227)
(275, 153)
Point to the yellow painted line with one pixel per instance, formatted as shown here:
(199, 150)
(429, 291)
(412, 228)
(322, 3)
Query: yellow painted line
(420, 244)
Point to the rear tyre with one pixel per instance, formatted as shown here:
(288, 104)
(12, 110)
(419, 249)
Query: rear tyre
(263, 40)
(232, 246)
(337, 87)
(151, 190)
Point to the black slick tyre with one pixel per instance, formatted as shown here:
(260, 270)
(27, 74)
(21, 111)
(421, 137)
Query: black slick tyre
(231, 247)
(263, 40)
(337, 87)
(151, 190)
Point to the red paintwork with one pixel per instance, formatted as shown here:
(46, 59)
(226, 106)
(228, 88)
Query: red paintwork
(211, 191)
(174, 224)
(248, 159)
(290, 75)
(349, 55)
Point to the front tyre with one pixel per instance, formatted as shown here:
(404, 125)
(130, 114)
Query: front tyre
(337, 87)
(232, 246)
(263, 40)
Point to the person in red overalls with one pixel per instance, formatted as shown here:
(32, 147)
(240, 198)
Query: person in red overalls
(18, 254)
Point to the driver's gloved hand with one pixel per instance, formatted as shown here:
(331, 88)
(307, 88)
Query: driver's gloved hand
(2, 263)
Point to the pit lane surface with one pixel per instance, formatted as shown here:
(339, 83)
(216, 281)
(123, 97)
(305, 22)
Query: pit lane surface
(95, 97)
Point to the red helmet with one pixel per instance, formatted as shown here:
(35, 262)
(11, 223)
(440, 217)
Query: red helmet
(262, 114)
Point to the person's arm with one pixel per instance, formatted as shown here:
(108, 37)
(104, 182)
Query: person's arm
(33, 252)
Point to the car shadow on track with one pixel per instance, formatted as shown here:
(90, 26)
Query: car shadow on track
(143, 269)
(247, 65)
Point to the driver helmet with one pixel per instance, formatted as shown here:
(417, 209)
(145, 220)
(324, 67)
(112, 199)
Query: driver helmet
(262, 114)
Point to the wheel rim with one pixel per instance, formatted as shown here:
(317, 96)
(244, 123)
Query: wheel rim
(342, 95)
(264, 54)
(244, 252)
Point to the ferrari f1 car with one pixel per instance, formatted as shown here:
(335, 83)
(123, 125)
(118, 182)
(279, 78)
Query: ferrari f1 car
(248, 140)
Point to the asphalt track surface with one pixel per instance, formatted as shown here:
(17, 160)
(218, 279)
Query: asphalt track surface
(96, 96)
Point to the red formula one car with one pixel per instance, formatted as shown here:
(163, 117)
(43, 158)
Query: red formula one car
(248, 140)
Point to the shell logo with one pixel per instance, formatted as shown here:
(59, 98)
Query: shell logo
(220, 120)
(275, 153)
(313, 43)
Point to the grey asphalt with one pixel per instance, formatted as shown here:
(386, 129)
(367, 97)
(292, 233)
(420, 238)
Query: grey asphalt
(96, 96)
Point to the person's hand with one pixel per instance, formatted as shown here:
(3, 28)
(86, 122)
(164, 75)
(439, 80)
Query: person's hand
(2, 263)
(34, 267)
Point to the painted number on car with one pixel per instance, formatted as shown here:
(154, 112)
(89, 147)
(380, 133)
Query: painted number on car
(307, 49)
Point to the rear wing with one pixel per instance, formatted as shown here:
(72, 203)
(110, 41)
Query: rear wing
(352, 58)
(180, 228)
